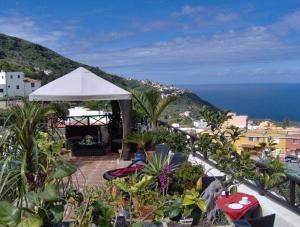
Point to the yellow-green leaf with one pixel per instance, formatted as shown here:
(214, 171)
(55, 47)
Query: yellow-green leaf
(201, 204)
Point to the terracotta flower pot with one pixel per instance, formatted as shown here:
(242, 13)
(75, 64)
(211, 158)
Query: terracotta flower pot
(147, 212)
(123, 202)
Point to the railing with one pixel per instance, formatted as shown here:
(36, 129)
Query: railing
(89, 120)
(286, 192)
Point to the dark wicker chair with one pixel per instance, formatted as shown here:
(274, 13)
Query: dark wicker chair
(265, 221)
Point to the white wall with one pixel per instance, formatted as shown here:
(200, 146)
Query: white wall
(284, 217)
(2, 84)
(15, 84)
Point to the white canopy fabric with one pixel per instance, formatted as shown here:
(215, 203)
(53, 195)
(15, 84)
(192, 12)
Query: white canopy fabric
(79, 85)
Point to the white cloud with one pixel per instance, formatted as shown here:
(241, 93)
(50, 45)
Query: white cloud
(222, 17)
(288, 23)
(27, 28)
(189, 10)
(255, 43)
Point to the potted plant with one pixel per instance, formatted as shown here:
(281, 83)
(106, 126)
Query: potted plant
(140, 139)
(187, 175)
(145, 203)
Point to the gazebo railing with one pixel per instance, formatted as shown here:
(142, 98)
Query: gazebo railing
(88, 120)
(286, 192)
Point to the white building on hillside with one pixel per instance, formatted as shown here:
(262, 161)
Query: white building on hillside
(201, 124)
(15, 84)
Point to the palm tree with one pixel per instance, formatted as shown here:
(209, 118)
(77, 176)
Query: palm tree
(266, 148)
(234, 133)
(153, 104)
(140, 139)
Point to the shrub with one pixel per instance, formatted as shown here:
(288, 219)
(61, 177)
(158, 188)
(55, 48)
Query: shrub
(186, 176)
(176, 141)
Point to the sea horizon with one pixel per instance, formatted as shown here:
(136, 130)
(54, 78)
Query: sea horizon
(274, 101)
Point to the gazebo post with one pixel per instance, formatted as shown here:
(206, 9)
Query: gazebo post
(126, 109)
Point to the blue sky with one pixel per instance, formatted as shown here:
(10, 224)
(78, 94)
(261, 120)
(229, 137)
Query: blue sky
(170, 41)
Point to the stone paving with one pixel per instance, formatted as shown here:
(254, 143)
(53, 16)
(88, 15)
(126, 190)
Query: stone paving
(90, 169)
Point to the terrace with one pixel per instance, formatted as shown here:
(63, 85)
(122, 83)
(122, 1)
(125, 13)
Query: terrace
(182, 181)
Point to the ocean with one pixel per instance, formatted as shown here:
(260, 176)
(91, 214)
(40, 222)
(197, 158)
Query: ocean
(258, 101)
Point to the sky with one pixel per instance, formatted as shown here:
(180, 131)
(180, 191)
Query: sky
(169, 41)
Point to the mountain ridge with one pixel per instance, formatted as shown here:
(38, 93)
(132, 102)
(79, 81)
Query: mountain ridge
(39, 62)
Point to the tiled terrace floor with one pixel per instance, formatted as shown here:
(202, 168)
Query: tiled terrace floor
(90, 169)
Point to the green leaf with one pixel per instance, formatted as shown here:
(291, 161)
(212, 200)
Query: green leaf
(174, 212)
(32, 197)
(50, 193)
(31, 221)
(9, 215)
(58, 213)
(64, 170)
(188, 200)
(201, 204)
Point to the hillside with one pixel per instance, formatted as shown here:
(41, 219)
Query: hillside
(41, 63)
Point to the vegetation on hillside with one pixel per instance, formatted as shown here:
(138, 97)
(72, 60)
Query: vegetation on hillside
(41, 63)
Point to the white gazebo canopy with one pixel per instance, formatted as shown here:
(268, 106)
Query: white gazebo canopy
(79, 85)
(83, 85)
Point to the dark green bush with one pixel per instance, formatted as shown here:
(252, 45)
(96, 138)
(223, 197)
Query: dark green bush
(176, 141)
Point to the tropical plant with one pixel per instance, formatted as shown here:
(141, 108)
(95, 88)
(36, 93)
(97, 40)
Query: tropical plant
(214, 118)
(155, 166)
(94, 211)
(267, 147)
(141, 139)
(152, 103)
(30, 176)
(234, 133)
(187, 175)
(132, 187)
(270, 172)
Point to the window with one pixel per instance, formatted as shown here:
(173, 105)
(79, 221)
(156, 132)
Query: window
(18, 76)
(32, 84)
(295, 141)
(8, 86)
(11, 76)
(250, 139)
(257, 139)
(1, 90)
(18, 87)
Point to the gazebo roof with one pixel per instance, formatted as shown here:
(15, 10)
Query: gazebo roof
(79, 85)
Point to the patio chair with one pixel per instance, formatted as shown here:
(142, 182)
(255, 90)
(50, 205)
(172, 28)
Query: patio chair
(135, 166)
(178, 158)
(162, 150)
(265, 221)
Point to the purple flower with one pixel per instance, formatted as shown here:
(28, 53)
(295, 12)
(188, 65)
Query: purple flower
(167, 169)
(163, 181)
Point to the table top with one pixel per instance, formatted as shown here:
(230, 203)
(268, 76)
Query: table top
(223, 202)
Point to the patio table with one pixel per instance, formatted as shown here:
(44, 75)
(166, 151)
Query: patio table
(223, 202)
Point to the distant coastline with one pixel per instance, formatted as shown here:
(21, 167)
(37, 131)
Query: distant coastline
(274, 101)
